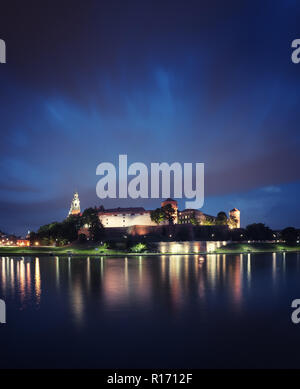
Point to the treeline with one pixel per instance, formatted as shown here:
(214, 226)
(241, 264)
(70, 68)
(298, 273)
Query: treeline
(65, 232)
(255, 231)
(167, 213)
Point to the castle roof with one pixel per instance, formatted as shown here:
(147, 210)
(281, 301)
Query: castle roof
(122, 210)
(190, 210)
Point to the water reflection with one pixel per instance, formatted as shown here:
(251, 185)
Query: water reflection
(249, 270)
(3, 275)
(57, 271)
(143, 283)
(37, 281)
(28, 279)
(88, 272)
(20, 280)
(77, 302)
(237, 280)
(274, 266)
(116, 281)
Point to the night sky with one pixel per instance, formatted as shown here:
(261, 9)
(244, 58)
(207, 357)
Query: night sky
(161, 81)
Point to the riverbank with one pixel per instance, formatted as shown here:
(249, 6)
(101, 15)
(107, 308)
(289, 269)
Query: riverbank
(59, 251)
(79, 250)
(239, 248)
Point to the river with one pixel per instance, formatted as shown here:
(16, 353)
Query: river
(151, 311)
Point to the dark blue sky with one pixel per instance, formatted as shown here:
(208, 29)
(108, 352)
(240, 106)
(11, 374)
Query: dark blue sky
(188, 81)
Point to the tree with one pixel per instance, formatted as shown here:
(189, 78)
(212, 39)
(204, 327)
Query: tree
(70, 227)
(138, 248)
(58, 233)
(91, 218)
(44, 234)
(289, 234)
(169, 213)
(157, 215)
(81, 238)
(221, 219)
(166, 213)
(194, 220)
(45, 241)
(259, 231)
(237, 234)
(67, 231)
(208, 221)
(33, 237)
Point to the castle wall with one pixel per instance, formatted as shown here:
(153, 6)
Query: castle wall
(126, 219)
(177, 232)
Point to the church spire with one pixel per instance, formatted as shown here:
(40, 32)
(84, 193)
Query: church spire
(75, 205)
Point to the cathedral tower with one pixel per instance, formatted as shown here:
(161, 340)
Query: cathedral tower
(75, 205)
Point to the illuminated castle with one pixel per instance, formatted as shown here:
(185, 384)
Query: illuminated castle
(139, 216)
(236, 214)
(75, 205)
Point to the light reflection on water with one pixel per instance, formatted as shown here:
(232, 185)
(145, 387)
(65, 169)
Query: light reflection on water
(121, 283)
(101, 305)
(125, 281)
(20, 280)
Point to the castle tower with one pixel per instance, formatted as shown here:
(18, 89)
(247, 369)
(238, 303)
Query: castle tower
(174, 205)
(235, 213)
(75, 205)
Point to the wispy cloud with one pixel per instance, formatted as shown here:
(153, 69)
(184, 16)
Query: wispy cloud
(271, 189)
